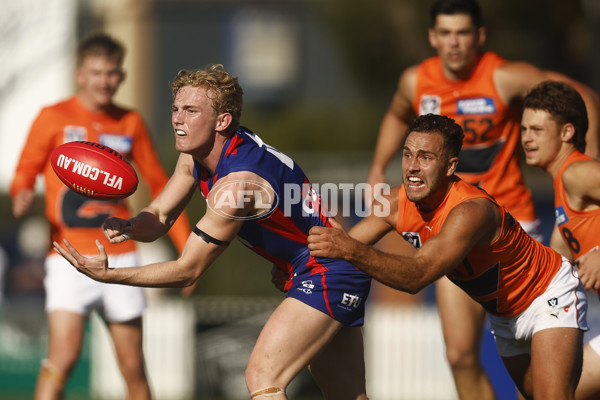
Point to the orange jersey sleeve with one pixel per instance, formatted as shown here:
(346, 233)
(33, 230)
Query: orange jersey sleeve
(35, 154)
(579, 229)
(505, 276)
(490, 153)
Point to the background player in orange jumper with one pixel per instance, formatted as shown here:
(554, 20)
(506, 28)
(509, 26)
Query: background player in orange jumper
(533, 296)
(70, 296)
(553, 130)
(481, 92)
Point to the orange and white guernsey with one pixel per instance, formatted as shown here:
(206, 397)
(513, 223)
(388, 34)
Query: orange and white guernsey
(505, 276)
(490, 152)
(71, 215)
(579, 229)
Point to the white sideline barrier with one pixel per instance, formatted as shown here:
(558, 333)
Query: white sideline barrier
(169, 346)
(404, 354)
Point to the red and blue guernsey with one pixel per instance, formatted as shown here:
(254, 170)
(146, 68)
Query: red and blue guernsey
(335, 287)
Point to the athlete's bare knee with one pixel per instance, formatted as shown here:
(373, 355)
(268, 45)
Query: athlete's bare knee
(460, 359)
(252, 377)
(133, 369)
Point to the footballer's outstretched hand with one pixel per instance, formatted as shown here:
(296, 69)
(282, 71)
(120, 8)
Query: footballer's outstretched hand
(94, 267)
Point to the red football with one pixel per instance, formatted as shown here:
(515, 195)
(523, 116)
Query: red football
(94, 170)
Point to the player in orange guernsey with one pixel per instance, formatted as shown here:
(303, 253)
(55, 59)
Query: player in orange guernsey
(70, 297)
(533, 296)
(481, 92)
(553, 130)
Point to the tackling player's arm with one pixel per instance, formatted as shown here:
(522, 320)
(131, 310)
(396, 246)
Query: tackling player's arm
(394, 125)
(210, 238)
(473, 222)
(514, 79)
(336, 243)
(380, 221)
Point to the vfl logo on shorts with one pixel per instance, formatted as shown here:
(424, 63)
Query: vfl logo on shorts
(430, 104)
(560, 216)
(553, 311)
(413, 238)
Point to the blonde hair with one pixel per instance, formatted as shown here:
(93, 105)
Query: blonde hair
(222, 88)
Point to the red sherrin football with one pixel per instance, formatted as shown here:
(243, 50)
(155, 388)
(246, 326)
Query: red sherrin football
(94, 170)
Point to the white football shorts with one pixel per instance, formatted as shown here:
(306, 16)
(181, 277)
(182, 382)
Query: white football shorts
(70, 290)
(562, 305)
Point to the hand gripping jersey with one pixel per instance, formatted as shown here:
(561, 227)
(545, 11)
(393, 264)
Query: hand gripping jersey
(504, 277)
(280, 235)
(579, 229)
(489, 156)
(71, 215)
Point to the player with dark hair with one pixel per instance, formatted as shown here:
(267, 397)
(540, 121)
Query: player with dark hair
(244, 182)
(481, 92)
(553, 129)
(535, 301)
(70, 296)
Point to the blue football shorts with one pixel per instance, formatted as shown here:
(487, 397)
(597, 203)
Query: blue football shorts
(334, 287)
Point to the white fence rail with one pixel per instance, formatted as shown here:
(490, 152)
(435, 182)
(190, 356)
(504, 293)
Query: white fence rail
(404, 354)
(403, 347)
(169, 343)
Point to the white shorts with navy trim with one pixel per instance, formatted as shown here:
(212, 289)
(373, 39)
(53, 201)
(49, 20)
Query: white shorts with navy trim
(562, 305)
